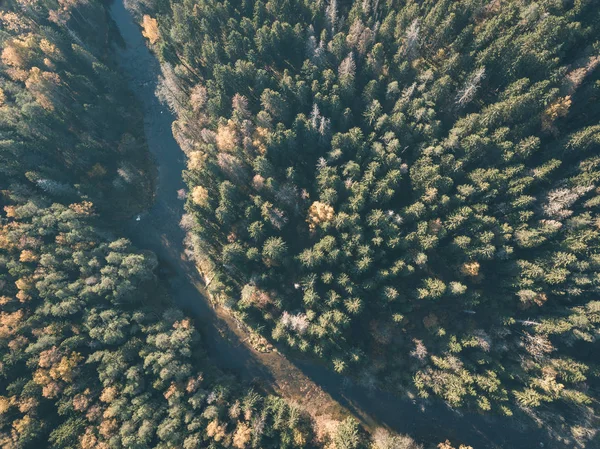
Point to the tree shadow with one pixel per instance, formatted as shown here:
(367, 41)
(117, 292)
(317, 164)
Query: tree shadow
(428, 421)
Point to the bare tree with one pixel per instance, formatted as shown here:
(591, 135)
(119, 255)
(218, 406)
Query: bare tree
(347, 69)
(315, 116)
(467, 93)
(384, 439)
(240, 105)
(169, 91)
(331, 12)
(411, 41)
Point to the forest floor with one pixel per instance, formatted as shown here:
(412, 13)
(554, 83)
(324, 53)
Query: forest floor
(324, 394)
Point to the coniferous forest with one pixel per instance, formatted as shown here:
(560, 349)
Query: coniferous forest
(404, 191)
(92, 353)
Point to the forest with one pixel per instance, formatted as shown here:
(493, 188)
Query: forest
(93, 352)
(404, 191)
(407, 191)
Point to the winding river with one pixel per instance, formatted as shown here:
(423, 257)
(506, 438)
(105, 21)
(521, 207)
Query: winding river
(323, 392)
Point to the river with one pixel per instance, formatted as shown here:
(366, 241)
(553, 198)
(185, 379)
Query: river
(321, 391)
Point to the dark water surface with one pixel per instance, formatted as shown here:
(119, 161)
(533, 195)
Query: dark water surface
(158, 230)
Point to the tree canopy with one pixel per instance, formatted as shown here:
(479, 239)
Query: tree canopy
(415, 182)
(93, 353)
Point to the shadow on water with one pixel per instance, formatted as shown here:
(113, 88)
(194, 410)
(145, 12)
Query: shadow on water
(158, 230)
(429, 421)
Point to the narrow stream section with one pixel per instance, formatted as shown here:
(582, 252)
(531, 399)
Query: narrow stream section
(321, 391)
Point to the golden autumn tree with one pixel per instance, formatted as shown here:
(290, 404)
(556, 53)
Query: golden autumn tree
(319, 213)
(200, 196)
(150, 29)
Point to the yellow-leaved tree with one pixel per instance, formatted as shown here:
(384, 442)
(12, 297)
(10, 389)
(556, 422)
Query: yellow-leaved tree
(150, 29)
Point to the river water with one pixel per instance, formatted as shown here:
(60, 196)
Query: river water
(158, 230)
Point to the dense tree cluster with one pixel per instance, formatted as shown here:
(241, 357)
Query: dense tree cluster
(407, 189)
(89, 356)
(66, 118)
(92, 353)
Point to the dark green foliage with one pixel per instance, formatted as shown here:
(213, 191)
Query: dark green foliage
(66, 117)
(412, 184)
(92, 354)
